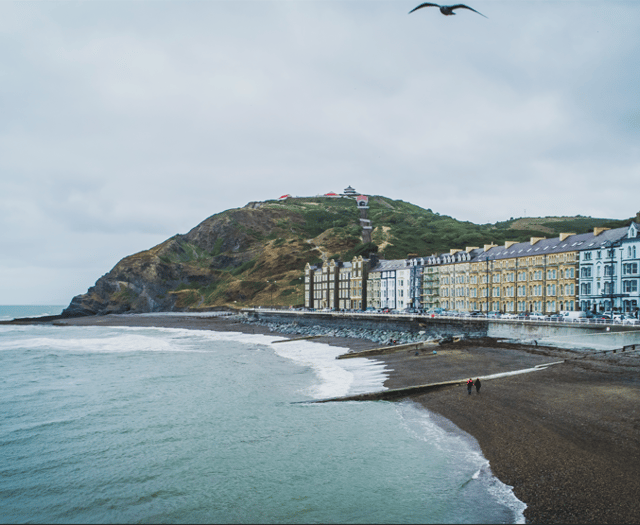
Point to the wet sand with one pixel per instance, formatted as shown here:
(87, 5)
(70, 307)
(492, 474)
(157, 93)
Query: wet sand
(566, 438)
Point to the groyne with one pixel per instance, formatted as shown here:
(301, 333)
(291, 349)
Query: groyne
(399, 393)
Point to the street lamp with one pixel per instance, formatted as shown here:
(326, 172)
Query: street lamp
(301, 293)
(610, 247)
(271, 288)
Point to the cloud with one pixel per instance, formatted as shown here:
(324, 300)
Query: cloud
(125, 123)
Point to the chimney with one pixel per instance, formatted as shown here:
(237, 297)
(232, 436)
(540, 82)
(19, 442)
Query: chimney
(469, 249)
(598, 231)
(453, 251)
(487, 247)
(509, 244)
(563, 236)
(536, 239)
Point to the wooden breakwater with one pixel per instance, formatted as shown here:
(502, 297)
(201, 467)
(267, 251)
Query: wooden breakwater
(399, 393)
(390, 349)
(297, 339)
(396, 393)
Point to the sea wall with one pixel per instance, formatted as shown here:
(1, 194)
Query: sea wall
(407, 328)
(429, 328)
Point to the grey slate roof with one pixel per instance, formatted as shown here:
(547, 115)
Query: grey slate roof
(394, 264)
(583, 241)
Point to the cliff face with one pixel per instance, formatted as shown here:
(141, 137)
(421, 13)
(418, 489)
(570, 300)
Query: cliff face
(256, 255)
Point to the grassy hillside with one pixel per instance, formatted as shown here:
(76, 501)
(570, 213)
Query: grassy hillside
(402, 228)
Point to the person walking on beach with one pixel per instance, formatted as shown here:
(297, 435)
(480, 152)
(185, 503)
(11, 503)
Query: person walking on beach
(469, 386)
(478, 385)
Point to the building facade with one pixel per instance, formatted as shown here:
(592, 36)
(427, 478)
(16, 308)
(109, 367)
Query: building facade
(336, 285)
(596, 271)
(608, 278)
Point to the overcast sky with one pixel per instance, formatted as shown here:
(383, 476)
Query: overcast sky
(123, 123)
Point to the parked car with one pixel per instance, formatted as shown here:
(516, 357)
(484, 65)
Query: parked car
(538, 317)
(493, 315)
(600, 318)
(572, 316)
(508, 316)
(557, 318)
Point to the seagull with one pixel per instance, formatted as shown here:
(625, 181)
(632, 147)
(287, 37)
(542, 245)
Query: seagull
(446, 10)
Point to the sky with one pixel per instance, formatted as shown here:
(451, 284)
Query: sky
(125, 122)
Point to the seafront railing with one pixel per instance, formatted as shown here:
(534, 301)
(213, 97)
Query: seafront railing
(459, 317)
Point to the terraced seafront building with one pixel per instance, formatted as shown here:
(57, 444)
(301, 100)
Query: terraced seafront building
(336, 285)
(596, 271)
(609, 271)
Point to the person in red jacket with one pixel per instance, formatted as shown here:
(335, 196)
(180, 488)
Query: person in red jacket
(469, 386)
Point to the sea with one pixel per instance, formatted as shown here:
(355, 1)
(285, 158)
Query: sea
(102, 424)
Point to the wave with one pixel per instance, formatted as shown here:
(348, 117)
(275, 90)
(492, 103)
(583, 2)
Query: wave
(467, 456)
(336, 377)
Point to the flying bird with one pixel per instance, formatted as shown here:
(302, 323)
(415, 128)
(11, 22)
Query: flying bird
(446, 10)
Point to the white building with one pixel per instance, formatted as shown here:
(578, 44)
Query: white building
(389, 293)
(403, 286)
(600, 280)
(630, 271)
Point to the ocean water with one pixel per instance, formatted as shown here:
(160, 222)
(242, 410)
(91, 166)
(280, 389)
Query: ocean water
(102, 424)
(17, 312)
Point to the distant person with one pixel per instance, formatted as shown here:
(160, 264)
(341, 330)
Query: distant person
(469, 386)
(478, 385)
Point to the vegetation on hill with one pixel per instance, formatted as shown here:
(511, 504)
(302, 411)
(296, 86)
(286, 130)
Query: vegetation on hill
(256, 255)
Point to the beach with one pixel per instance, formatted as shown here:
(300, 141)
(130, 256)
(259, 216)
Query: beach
(564, 437)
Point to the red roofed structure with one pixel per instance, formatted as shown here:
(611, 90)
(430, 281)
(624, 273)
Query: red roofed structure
(362, 200)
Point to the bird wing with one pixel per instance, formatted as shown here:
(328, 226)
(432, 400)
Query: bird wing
(462, 6)
(426, 4)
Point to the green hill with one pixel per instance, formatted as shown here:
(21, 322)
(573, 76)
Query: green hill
(255, 255)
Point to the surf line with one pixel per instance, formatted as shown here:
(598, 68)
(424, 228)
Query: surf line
(423, 389)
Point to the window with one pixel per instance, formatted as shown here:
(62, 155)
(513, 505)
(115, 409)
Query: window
(630, 286)
(585, 272)
(629, 268)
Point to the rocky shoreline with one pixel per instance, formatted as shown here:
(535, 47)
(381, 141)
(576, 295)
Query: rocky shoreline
(380, 337)
(565, 437)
